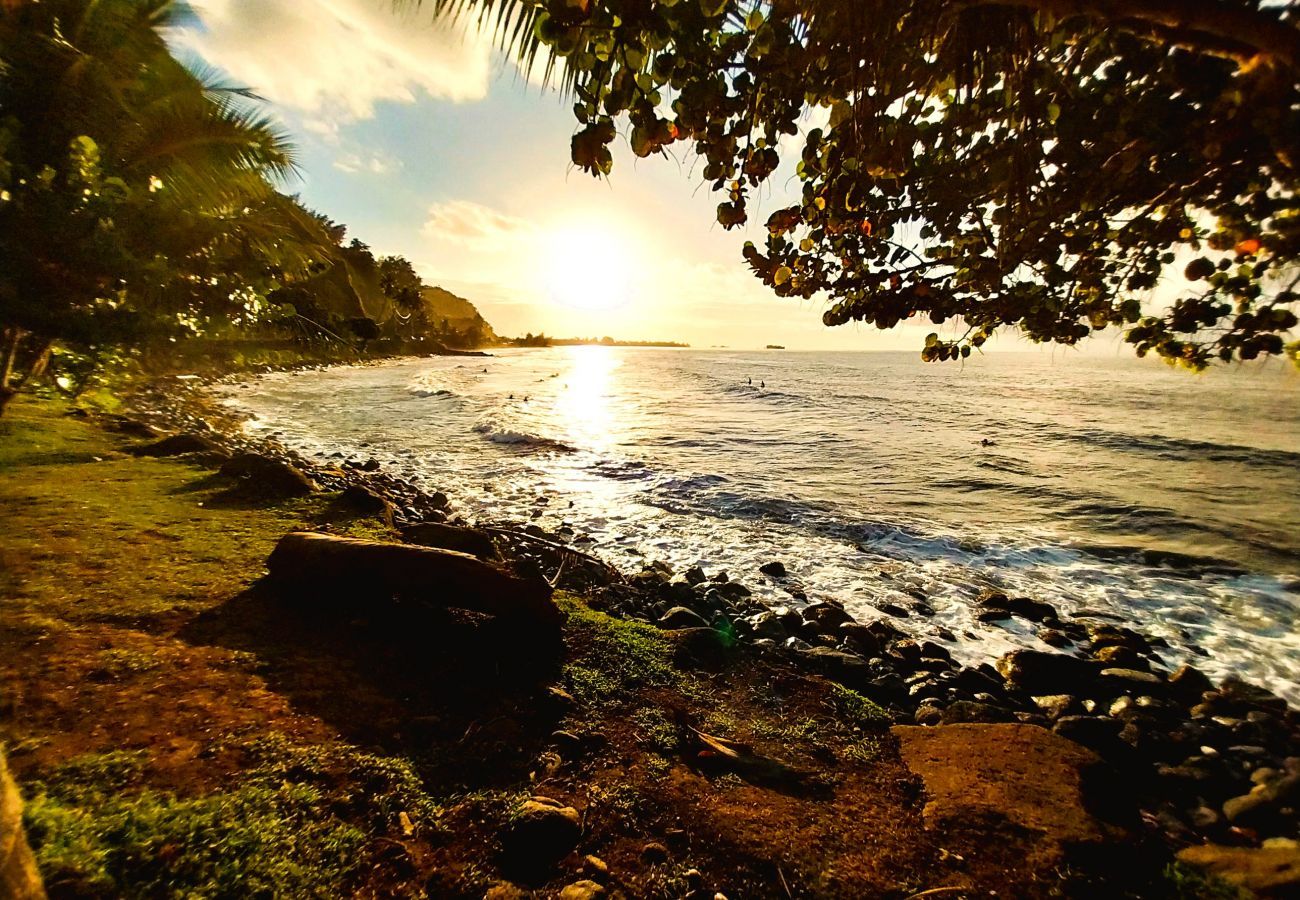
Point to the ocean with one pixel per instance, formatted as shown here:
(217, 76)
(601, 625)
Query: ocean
(1109, 487)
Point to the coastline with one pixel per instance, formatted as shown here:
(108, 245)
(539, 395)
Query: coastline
(1190, 753)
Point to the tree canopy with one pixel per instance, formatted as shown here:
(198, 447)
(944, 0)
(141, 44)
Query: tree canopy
(1036, 164)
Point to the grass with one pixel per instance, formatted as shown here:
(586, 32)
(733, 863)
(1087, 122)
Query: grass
(615, 658)
(295, 823)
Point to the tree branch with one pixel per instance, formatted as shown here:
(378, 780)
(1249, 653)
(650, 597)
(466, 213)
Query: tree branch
(1211, 25)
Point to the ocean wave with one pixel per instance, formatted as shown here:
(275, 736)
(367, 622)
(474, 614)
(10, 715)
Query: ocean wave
(422, 392)
(1171, 448)
(499, 434)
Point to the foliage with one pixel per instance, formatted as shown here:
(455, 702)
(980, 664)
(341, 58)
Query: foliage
(614, 657)
(137, 196)
(1025, 163)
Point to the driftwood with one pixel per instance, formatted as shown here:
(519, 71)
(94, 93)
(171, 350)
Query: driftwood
(614, 574)
(19, 879)
(347, 571)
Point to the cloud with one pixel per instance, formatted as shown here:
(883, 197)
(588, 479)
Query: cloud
(374, 163)
(334, 60)
(467, 222)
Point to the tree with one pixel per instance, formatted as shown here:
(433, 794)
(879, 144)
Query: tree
(1037, 164)
(136, 195)
(400, 283)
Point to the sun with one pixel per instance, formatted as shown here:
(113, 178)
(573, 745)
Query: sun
(588, 267)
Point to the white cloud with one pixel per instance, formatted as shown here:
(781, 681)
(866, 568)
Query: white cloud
(373, 163)
(333, 60)
(466, 222)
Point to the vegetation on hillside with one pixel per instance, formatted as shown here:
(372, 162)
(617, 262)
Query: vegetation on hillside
(1035, 164)
(141, 205)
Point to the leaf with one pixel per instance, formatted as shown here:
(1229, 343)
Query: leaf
(782, 275)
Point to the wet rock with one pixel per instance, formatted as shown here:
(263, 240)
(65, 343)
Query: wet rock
(594, 868)
(860, 638)
(1241, 695)
(451, 537)
(1107, 635)
(766, 625)
(828, 617)
(504, 890)
(582, 890)
(1053, 638)
(992, 616)
(1265, 803)
(1097, 734)
(699, 647)
(268, 476)
(1047, 673)
(695, 575)
(681, 617)
(893, 609)
(1131, 681)
(177, 445)
(1034, 610)
(1272, 871)
(1056, 706)
(1117, 657)
(776, 569)
(541, 833)
(370, 465)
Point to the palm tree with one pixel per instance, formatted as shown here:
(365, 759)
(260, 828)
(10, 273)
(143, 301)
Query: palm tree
(136, 195)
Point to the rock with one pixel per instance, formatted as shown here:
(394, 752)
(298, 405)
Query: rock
(542, 832)
(1034, 610)
(176, 445)
(582, 890)
(828, 617)
(962, 711)
(1131, 681)
(1097, 734)
(268, 476)
(776, 569)
(595, 868)
(767, 625)
(654, 853)
(703, 647)
(1055, 706)
(681, 617)
(1264, 803)
(1268, 871)
(1053, 638)
(1021, 774)
(359, 500)
(504, 890)
(695, 575)
(990, 616)
(451, 537)
(370, 465)
(846, 668)
(1047, 673)
(1247, 696)
(893, 609)
(860, 638)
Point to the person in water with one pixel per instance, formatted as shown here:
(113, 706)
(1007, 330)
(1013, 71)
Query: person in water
(762, 384)
(749, 381)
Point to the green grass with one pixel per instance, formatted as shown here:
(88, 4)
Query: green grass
(616, 658)
(856, 710)
(1185, 883)
(295, 823)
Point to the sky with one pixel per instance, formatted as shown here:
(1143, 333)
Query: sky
(427, 143)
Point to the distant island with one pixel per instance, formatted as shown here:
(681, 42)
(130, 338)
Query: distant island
(775, 347)
(542, 340)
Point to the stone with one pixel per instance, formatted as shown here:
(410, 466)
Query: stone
(178, 444)
(845, 667)
(1047, 673)
(971, 711)
(1131, 681)
(1097, 734)
(827, 616)
(542, 832)
(1034, 610)
(595, 868)
(654, 853)
(504, 890)
(893, 609)
(1115, 656)
(1053, 638)
(1023, 774)
(776, 569)
(267, 475)
(767, 625)
(1264, 803)
(582, 890)
(451, 537)
(1267, 871)
(360, 500)
(703, 647)
(991, 616)
(1055, 706)
(681, 617)
(695, 575)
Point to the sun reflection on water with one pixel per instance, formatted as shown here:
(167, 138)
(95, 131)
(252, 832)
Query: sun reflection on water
(585, 403)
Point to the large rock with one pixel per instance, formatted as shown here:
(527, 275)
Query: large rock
(176, 445)
(451, 537)
(540, 834)
(1048, 673)
(1272, 871)
(681, 617)
(846, 668)
(1023, 775)
(268, 476)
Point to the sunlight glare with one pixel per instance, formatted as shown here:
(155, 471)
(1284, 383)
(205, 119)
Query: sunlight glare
(588, 268)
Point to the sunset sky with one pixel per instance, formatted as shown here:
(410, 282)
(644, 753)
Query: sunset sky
(427, 143)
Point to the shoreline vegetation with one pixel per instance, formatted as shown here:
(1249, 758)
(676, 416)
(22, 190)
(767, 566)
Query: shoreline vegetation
(179, 724)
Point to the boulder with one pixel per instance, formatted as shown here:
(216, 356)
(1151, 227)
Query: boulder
(828, 617)
(359, 500)
(582, 890)
(776, 569)
(540, 834)
(847, 668)
(961, 711)
(699, 647)
(176, 445)
(267, 476)
(451, 537)
(1048, 673)
(351, 574)
(681, 617)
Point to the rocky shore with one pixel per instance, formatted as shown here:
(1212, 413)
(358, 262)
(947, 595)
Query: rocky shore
(1215, 769)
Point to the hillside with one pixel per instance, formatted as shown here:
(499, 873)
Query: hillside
(459, 313)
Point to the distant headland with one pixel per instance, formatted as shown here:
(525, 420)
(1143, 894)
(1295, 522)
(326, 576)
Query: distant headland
(542, 340)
